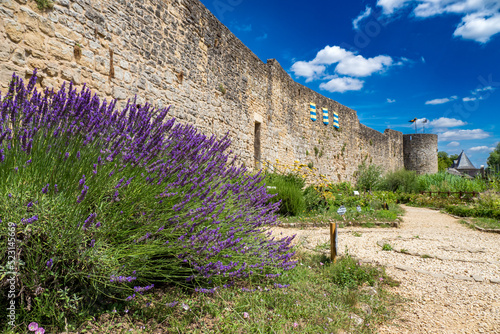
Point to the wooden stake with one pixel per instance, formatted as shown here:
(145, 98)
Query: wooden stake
(333, 241)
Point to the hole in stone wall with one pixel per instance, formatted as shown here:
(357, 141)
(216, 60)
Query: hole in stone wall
(256, 145)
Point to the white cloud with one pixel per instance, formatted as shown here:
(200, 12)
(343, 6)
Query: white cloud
(480, 18)
(357, 66)
(331, 54)
(342, 84)
(478, 27)
(345, 63)
(482, 89)
(308, 70)
(463, 135)
(481, 149)
(453, 144)
(390, 100)
(438, 101)
(361, 17)
(389, 6)
(444, 122)
(467, 99)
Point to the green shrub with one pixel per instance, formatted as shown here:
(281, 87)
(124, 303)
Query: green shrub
(369, 177)
(314, 201)
(347, 273)
(288, 190)
(400, 181)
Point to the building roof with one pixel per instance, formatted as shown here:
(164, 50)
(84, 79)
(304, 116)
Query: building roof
(463, 162)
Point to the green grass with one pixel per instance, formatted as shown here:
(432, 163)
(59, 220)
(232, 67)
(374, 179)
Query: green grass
(366, 218)
(320, 298)
(487, 223)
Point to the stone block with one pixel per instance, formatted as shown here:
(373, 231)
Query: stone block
(14, 30)
(69, 75)
(46, 26)
(35, 41)
(495, 280)
(19, 57)
(119, 93)
(52, 69)
(463, 278)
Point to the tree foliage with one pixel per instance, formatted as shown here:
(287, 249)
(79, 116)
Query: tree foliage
(445, 161)
(494, 159)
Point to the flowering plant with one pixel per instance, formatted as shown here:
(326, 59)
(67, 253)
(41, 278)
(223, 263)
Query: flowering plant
(108, 202)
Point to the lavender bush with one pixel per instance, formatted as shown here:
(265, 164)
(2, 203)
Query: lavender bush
(107, 203)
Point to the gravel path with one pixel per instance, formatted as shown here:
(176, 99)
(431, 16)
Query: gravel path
(449, 273)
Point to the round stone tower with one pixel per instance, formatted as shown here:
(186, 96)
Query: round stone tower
(420, 152)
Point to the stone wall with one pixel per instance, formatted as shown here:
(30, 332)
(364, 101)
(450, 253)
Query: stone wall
(175, 52)
(420, 152)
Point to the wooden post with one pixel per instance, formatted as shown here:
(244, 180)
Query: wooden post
(333, 241)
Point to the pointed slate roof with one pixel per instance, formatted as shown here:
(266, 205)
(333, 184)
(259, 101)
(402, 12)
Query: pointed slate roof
(463, 162)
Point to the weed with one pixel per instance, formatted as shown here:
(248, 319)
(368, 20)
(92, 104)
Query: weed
(44, 4)
(386, 247)
(425, 256)
(356, 234)
(222, 89)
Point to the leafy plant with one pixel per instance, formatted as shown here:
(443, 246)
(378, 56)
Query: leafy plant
(386, 247)
(44, 4)
(288, 193)
(369, 177)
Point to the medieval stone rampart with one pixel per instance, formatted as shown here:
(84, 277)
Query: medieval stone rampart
(175, 52)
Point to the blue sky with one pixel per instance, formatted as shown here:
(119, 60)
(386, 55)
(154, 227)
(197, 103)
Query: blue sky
(390, 60)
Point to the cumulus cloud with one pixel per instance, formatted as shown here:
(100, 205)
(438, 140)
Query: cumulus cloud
(455, 135)
(390, 100)
(358, 66)
(308, 70)
(478, 27)
(342, 84)
(481, 149)
(480, 18)
(344, 63)
(453, 144)
(361, 17)
(444, 122)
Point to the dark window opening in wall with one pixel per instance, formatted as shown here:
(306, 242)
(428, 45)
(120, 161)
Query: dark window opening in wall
(256, 145)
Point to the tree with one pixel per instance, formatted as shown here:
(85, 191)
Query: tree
(445, 161)
(494, 159)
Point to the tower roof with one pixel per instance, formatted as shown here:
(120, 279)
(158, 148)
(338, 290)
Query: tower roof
(463, 162)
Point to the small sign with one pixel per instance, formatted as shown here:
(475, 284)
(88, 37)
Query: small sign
(342, 210)
(356, 193)
(358, 208)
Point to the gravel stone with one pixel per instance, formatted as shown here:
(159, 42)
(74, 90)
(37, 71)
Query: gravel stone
(436, 303)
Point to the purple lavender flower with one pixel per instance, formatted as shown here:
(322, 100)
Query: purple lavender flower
(82, 194)
(49, 263)
(27, 221)
(82, 181)
(45, 189)
(172, 304)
